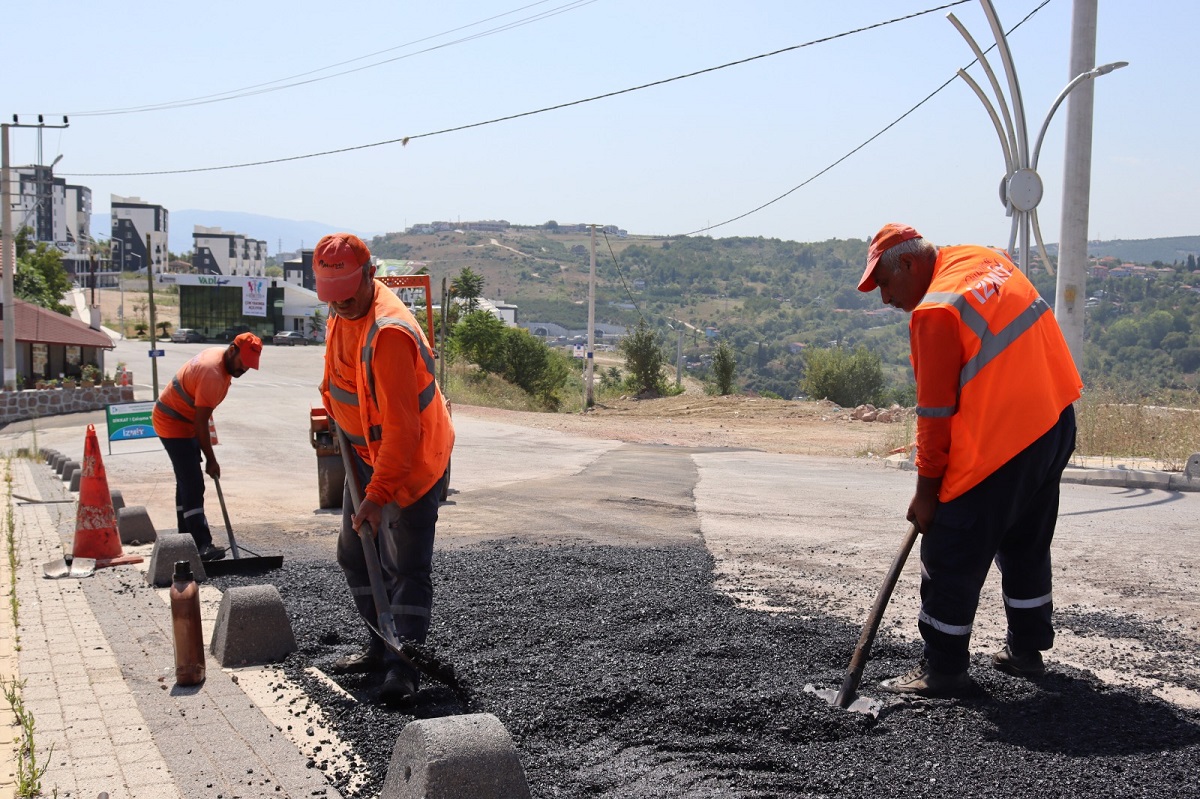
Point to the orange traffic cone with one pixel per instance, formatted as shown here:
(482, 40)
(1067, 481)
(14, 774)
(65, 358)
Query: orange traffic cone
(96, 533)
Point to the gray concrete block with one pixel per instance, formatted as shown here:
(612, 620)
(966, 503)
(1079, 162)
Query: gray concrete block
(1191, 469)
(252, 627)
(69, 468)
(118, 500)
(1181, 483)
(135, 527)
(454, 757)
(48, 454)
(169, 548)
(76, 477)
(58, 462)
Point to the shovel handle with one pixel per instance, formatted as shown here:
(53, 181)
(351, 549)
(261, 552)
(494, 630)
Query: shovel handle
(225, 515)
(387, 625)
(862, 650)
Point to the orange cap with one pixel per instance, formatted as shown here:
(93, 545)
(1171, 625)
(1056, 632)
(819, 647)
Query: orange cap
(249, 347)
(337, 266)
(888, 237)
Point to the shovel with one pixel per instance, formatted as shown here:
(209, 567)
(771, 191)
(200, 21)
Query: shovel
(385, 626)
(69, 566)
(846, 697)
(238, 565)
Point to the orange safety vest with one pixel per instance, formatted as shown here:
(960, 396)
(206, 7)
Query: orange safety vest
(436, 438)
(201, 381)
(1017, 374)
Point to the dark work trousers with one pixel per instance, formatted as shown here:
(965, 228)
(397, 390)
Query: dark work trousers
(405, 547)
(189, 488)
(1009, 518)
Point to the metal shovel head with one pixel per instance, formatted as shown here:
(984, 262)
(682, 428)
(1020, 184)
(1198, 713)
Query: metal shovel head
(861, 704)
(69, 567)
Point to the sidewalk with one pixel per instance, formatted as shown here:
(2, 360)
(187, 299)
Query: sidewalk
(97, 662)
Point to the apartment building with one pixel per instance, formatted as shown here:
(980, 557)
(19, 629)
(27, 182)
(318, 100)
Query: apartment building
(60, 214)
(219, 252)
(133, 220)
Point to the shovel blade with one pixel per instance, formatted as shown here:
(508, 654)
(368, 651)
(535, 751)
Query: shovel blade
(56, 569)
(83, 567)
(861, 704)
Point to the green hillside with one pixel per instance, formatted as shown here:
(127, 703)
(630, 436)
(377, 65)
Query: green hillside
(773, 299)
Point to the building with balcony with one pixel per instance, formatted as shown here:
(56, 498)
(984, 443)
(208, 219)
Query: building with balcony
(132, 221)
(219, 252)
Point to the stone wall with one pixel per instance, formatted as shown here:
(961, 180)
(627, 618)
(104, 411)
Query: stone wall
(38, 402)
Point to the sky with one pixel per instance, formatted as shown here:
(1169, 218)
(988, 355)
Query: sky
(670, 159)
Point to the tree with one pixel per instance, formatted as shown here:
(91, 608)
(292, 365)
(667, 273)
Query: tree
(164, 327)
(468, 287)
(316, 324)
(847, 378)
(724, 363)
(479, 337)
(644, 360)
(40, 277)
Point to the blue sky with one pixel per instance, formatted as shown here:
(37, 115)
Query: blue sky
(664, 160)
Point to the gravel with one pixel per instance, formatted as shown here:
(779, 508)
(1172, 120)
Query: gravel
(621, 672)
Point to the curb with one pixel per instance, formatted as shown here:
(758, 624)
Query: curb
(1117, 478)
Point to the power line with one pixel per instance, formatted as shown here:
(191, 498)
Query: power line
(406, 139)
(269, 86)
(885, 129)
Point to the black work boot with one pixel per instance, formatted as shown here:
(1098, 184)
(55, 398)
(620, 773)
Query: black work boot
(399, 686)
(211, 553)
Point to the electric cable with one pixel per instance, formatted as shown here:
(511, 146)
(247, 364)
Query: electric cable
(263, 88)
(621, 275)
(404, 140)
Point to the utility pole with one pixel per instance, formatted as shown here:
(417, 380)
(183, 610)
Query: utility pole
(153, 340)
(589, 399)
(8, 248)
(1069, 294)
(679, 358)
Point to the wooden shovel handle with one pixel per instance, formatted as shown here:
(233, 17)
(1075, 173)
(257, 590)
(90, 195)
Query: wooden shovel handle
(863, 650)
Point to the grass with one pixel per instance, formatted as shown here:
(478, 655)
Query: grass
(1113, 427)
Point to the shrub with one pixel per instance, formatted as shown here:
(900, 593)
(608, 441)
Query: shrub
(644, 360)
(847, 378)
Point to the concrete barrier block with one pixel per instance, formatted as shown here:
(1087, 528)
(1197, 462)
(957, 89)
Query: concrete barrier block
(48, 454)
(118, 500)
(1191, 469)
(169, 548)
(58, 462)
(252, 627)
(69, 468)
(453, 757)
(135, 527)
(76, 477)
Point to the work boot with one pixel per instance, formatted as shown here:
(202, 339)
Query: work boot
(924, 681)
(369, 659)
(211, 552)
(1019, 662)
(399, 686)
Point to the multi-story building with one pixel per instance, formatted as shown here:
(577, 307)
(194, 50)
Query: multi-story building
(132, 221)
(218, 252)
(58, 213)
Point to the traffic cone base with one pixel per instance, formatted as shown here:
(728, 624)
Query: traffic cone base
(96, 533)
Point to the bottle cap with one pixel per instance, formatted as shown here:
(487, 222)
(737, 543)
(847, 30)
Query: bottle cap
(183, 570)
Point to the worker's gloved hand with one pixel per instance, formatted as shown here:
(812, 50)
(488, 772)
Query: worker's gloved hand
(213, 469)
(368, 512)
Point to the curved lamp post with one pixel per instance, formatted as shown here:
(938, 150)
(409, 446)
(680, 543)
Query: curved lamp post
(1021, 189)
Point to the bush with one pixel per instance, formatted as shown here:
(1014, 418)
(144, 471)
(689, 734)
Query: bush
(723, 365)
(644, 360)
(847, 378)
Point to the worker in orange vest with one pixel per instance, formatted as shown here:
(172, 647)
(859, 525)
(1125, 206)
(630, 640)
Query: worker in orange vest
(995, 429)
(379, 388)
(181, 418)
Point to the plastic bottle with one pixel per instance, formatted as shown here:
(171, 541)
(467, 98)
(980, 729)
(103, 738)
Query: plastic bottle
(185, 620)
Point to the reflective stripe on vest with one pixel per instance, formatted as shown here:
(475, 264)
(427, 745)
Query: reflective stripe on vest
(183, 395)
(427, 393)
(342, 395)
(990, 344)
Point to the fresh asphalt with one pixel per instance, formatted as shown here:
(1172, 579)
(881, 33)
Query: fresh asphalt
(96, 653)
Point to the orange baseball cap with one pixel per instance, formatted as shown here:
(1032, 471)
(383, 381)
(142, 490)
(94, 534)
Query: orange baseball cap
(249, 347)
(338, 261)
(889, 236)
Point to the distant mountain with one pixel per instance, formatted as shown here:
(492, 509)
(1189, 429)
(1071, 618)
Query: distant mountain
(1143, 251)
(292, 234)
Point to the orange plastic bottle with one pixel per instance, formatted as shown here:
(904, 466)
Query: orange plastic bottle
(185, 620)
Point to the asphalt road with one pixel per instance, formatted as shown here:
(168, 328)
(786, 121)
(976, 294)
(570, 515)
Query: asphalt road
(780, 527)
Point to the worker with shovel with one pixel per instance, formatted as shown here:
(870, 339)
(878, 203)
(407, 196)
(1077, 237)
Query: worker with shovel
(180, 420)
(379, 389)
(995, 429)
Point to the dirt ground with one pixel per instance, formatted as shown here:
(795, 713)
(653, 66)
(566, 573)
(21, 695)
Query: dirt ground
(740, 422)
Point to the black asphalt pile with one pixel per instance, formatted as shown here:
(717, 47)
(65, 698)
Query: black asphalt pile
(621, 672)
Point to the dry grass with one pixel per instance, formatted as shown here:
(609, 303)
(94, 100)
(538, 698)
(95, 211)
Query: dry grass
(1112, 430)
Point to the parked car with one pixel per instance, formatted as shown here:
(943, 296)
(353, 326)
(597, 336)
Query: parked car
(230, 333)
(185, 335)
(290, 338)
